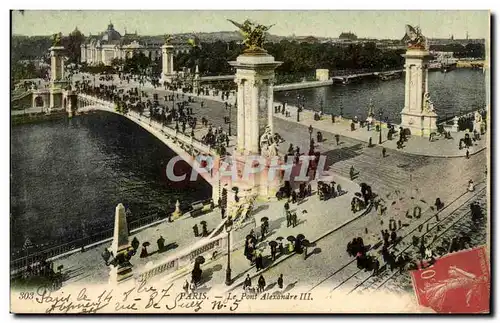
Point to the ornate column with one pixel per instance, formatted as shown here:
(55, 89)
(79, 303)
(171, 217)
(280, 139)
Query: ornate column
(270, 104)
(241, 115)
(417, 115)
(253, 121)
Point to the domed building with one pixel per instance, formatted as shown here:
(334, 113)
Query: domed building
(110, 44)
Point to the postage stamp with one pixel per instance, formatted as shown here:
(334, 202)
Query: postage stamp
(250, 161)
(458, 282)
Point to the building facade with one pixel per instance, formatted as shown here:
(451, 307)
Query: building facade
(110, 44)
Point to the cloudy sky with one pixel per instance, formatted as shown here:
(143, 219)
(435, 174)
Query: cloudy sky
(373, 24)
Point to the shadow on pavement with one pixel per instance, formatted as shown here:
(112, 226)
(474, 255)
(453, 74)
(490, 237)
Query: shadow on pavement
(341, 154)
(262, 207)
(208, 273)
(290, 286)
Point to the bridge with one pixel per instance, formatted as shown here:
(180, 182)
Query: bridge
(217, 78)
(187, 147)
(349, 77)
(343, 76)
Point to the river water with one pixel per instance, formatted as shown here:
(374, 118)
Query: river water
(67, 176)
(460, 89)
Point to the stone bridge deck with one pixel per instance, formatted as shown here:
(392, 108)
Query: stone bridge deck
(187, 147)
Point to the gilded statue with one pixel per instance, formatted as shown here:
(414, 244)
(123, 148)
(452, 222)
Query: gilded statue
(414, 38)
(253, 35)
(168, 39)
(56, 39)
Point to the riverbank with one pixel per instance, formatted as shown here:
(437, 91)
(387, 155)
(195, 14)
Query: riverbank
(470, 64)
(27, 118)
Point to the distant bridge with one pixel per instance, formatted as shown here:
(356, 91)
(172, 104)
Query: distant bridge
(217, 78)
(348, 78)
(344, 76)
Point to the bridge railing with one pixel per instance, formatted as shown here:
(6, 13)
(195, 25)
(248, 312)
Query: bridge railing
(35, 256)
(207, 248)
(448, 117)
(195, 143)
(347, 72)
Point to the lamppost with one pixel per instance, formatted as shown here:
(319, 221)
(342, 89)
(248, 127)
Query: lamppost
(299, 102)
(228, 226)
(380, 126)
(230, 108)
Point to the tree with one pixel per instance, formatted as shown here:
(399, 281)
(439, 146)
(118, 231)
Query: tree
(72, 45)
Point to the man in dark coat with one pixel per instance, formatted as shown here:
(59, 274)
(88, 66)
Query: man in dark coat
(248, 282)
(262, 283)
(280, 281)
(294, 218)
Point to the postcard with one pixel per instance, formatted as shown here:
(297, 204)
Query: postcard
(250, 162)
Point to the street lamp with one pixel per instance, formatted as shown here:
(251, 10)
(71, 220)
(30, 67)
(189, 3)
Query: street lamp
(230, 108)
(380, 126)
(298, 107)
(228, 226)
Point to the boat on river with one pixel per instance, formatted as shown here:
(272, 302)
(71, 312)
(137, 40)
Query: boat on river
(389, 76)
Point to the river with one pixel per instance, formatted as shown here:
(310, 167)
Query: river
(460, 89)
(67, 176)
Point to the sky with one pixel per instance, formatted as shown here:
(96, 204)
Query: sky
(321, 23)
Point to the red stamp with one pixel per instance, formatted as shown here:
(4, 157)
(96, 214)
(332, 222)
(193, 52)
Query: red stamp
(456, 283)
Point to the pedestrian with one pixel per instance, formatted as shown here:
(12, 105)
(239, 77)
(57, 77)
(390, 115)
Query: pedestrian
(248, 283)
(352, 172)
(262, 283)
(294, 197)
(262, 231)
(280, 281)
(386, 235)
(394, 237)
(186, 287)
(273, 253)
(467, 154)
(337, 139)
(294, 219)
(161, 243)
(370, 142)
(383, 152)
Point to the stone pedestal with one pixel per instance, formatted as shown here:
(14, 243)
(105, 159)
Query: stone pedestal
(196, 81)
(255, 96)
(454, 128)
(322, 74)
(418, 113)
(120, 248)
(167, 73)
(264, 182)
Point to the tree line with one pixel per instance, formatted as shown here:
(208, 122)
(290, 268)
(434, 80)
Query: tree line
(470, 50)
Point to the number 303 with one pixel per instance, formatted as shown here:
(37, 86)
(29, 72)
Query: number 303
(26, 295)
